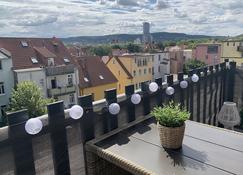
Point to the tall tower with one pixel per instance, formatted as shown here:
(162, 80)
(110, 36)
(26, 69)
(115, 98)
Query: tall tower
(146, 33)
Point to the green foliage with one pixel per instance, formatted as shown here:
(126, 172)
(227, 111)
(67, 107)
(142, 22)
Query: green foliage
(193, 64)
(28, 96)
(116, 46)
(160, 45)
(170, 115)
(133, 48)
(102, 50)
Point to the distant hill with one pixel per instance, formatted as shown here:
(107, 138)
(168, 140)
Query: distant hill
(160, 36)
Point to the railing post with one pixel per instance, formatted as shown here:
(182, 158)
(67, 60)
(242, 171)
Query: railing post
(205, 87)
(170, 82)
(129, 90)
(191, 94)
(21, 143)
(198, 94)
(146, 99)
(111, 121)
(211, 77)
(56, 118)
(159, 95)
(87, 120)
(231, 83)
(182, 95)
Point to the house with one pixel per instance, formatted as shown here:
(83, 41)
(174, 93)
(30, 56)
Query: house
(208, 53)
(6, 79)
(47, 62)
(131, 69)
(161, 65)
(177, 59)
(232, 50)
(188, 54)
(94, 76)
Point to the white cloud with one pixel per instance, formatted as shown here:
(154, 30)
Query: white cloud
(44, 18)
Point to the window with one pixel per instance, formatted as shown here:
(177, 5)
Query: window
(149, 70)
(24, 44)
(242, 55)
(152, 70)
(158, 68)
(140, 72)
(212, 49)
(86, 79)
(66, 60)
(101, 77)
(34, 60)
(2, 91)
(145, 71)
(42, 82)
(227, 43)
(153, 59)
(136, 86)
(1, 65)
(134, 73)
(50, 62)
(159, 57)
(119, 86)
(233, 43)
(71, 98)
(135, 60)
(70, 79)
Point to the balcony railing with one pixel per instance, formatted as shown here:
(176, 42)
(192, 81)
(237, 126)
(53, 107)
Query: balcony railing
(61, 91)
(59, 70)
(240, 48)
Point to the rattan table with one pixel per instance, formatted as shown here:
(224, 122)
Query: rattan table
(136, 149)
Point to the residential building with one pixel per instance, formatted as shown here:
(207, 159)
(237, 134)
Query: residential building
(94, 76)
(119, 52)
(6, 79)
(188, 54)
(208, 53)
(131, 69)
(47, 62)
(177, 59)
(161, 65)
(232, 50)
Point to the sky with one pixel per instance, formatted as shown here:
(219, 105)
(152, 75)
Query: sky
(65, 18)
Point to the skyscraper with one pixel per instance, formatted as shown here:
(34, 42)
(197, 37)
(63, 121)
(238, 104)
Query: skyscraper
(147, 38)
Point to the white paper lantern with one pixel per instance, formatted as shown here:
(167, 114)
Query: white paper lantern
(170, 90)
(195, 78)
(114, 108)
(76, 112)
(153, 87)
(33, 126)
(136, 99)
(183, 84)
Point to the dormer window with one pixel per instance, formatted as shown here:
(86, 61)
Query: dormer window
(86, 79)
(101, 77)
(34, 60)
(66, 60)
(50, 62)
(24, 43)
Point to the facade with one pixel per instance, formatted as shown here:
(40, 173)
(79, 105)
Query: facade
(177, 59)
(131, 69)
(6, 79)
(187, 54)
(208, 53)
(94, 77)
(161, 65)
(47, 62)
(232, 50)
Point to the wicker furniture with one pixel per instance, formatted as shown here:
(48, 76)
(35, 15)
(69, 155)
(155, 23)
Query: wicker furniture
(137, 150)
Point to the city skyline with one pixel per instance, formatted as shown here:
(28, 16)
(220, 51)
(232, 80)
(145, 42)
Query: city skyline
(64, 18)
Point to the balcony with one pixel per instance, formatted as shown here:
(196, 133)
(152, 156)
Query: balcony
(128, 143)
(59, 70)
(61, 91)
(240, 48)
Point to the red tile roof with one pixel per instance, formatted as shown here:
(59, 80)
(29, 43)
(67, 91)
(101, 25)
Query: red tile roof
(92, 67)
(39, 48)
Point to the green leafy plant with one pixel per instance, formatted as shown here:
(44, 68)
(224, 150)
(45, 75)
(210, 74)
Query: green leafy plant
(170, 115)
(193, 64)
(28, 96)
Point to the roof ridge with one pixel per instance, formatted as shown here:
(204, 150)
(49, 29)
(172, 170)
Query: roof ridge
(123, 67)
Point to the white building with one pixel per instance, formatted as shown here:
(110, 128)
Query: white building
(46, 62)
(6, 79)
(161, 65)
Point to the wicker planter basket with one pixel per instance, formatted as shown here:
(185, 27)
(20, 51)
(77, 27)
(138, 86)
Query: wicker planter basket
(171, 137)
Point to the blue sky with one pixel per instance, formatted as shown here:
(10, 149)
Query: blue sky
(63, 18)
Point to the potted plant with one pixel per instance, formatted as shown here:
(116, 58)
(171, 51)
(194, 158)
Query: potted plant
(171, 124)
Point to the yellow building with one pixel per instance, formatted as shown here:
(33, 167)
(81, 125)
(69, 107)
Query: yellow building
(232, 50)
(131, 69)
(94, 77)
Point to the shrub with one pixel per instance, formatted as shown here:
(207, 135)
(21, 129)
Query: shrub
(193, 64)
(170, 115)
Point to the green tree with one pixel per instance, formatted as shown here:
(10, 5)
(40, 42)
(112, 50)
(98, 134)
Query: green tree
(160, 46)
(100, 50)
(133, 48)
(28, 96)
(193, 64)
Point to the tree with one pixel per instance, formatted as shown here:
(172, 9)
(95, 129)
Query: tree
(100, 50)
(28, 96)
(193, 64)
(133, 48)
(160, 46)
